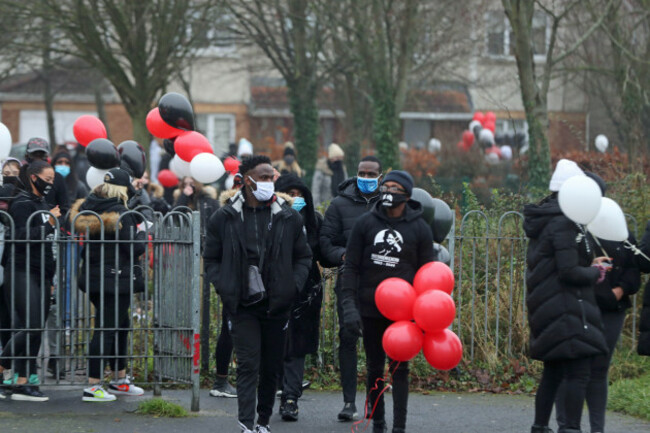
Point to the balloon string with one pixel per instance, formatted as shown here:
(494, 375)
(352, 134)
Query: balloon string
(375, 387)
(636, 250)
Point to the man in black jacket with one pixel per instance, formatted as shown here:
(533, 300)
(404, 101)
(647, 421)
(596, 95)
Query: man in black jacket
(39, 149)
(392, 240)
(356, 197)
(257, 256)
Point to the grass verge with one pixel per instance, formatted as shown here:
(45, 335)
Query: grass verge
(159, 408)
(631, 396)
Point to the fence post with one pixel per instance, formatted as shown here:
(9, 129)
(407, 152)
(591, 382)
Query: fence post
(196, 309)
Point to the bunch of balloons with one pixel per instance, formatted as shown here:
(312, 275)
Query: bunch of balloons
(102, 154)
(173, 121)
(5, 141)
(482, 129)
(428, 301)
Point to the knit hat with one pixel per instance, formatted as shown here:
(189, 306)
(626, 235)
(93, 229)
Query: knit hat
(401, 177)
(289, 151)
(10, 159)
(335, 151)
(245, 148)
(564, 170)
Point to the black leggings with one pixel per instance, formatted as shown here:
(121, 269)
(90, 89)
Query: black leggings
(223, 352)
(575, 373)
(113, 349)
(373, 332)
(31, 305)
(5, 319)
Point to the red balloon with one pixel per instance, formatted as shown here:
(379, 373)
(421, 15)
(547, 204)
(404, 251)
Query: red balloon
(402, 340)
(167, 178)
(158, 128)
(490, 124)
(493, 149)
(442, 350)
(231, 165)
(395, 298)
(434, 310)
(468, 139)
(87, 128)
(190, 144)
(479, 116)
(490, 116)
(434, 276)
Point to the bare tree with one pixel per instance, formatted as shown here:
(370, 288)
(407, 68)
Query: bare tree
(534, 86)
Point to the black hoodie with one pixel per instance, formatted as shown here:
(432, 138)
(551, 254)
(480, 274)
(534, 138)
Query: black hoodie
(379, 248)
(564, 319)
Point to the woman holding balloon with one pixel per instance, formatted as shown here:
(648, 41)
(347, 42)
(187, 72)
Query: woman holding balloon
(564, 319)
(392, 240)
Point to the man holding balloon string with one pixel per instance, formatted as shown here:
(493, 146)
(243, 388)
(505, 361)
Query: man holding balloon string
(392, 240)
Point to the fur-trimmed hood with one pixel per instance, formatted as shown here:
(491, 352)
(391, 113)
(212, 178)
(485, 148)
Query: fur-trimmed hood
(109, 217)
(155, 190)
(208, 191)
(322, 165)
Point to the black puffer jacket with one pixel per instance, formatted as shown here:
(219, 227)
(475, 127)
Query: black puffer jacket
(340, 216)
(380, 247)
(644, 265)
(624, 274)
(110, 211)
(286, 265)
(564, 319)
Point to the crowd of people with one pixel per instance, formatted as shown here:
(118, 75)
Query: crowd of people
(265, 248)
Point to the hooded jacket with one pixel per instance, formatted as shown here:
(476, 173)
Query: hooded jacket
(287, 262)
(644, 265)
(340, 217)
(564, 319)
(624, 274)
(115, 228)
(380, 247)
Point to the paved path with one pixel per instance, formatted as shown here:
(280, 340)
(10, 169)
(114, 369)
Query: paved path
(437, 412)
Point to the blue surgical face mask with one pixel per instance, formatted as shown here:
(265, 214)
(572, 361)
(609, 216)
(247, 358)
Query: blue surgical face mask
(63, 170)
(367, 185)
(298, 203)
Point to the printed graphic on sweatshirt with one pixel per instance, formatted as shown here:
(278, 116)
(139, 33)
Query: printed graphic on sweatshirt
(387, 246)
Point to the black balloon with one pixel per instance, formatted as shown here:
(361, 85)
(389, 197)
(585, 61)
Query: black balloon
(425, 199)
(500, 139)
(168, 144)
(443, 219)
(133, 155)
(102, 154)
(177, 111)
(442, 254)
(477, 131)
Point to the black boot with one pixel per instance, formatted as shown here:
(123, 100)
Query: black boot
(379, 426)
(540, 429)
(572, 430)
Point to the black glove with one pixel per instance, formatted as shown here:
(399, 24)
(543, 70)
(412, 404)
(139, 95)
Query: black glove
(352, 319)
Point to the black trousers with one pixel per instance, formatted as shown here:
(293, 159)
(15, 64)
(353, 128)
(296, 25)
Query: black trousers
(5, 318)
(293, 372)
(347, 354)
(259, 345)
(223, 351)
(373, 332)
(598, 383)
(576, 374)
(31, 305)
(109, 347)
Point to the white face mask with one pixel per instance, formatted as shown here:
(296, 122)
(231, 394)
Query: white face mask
(264, 190)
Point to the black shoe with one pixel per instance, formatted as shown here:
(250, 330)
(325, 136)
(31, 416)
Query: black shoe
(53, 368)
(28, 393)
(223, 388)
(540, 429)
(348, 413)
(379, 427)
(398, 430)
(306, 384)
(289, 410)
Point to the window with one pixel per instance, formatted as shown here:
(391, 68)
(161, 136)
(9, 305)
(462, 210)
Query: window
(511, 126)
(500, 35)
(219, 130)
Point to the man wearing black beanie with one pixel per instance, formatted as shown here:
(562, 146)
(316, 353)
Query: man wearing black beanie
(392, 240)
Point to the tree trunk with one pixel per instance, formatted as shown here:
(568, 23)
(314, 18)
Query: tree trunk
(48, 95)
(302, 100)
(101, 109)
(140, 132)
(385, 129)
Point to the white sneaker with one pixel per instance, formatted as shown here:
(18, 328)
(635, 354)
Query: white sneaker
(97, 393)
(262, 429)
(124, 387)
(244, 429)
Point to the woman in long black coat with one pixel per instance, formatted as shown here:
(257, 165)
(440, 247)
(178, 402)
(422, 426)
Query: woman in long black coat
(564, 319)
(644, 265)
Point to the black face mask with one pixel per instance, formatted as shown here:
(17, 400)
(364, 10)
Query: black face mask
(391, 200)
(13, 180)
(43, 187)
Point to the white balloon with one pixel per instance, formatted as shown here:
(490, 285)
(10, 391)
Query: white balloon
(506, 152)
(524, 149)
(95, 176)
(179, 167)
(601, 143)
(610, 223)
(206, 167)
(230, 182)
(5, 141)
(434, 145)
(486, 137)
(492, 158)
(580, 199)
(473, 124)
